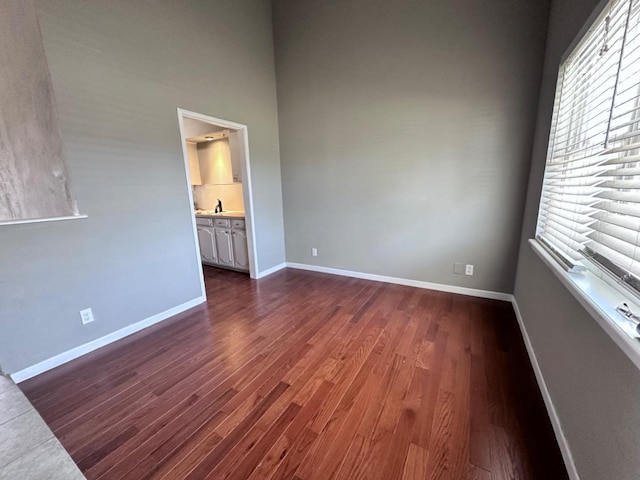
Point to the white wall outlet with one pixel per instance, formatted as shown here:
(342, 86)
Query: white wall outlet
(314, 252)
(87, 316)
(458, 268)
(468, 270)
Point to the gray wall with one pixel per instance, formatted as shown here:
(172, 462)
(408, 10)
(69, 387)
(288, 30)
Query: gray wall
(119, 70)
(594, 387)
(405, 133)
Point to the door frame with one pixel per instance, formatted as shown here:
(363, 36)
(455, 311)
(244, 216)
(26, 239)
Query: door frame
(247, 188)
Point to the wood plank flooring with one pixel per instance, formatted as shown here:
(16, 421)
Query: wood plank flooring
(308, 376)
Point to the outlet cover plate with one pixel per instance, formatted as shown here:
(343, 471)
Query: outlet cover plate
(86, 316)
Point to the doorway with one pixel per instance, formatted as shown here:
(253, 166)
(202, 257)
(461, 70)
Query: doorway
(195, 127)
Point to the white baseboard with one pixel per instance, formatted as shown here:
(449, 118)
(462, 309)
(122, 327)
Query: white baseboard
(551, 410)
(403, 281)
(271, 270)
(64, 357)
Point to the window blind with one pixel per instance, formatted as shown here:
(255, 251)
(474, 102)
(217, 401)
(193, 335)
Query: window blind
(590, 203)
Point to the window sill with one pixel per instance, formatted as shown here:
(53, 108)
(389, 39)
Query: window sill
(600, 300)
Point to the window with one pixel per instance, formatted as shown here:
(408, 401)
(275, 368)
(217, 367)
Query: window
(590, 206)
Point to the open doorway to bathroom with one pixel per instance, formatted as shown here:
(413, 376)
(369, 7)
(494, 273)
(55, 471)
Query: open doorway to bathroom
(218, 175)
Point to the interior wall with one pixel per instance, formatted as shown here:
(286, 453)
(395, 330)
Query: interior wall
(406, 131)
(194, 165)
(206, 196)
(593, 385)
(195, 128)
(119, 71)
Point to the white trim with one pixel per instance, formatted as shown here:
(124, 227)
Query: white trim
(403, 281)
(551, 410)
(247, 188)
(194, 226)
(271, 270)
(247, 193)
(76, 352)
(40, 220)
(599, 299)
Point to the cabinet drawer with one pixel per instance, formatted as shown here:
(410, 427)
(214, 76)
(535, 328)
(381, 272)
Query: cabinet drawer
(205, 222)
(221, 222)
(237, 223)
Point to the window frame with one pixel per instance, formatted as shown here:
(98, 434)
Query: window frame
(597, 288)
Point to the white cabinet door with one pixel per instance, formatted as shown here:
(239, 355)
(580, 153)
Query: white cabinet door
(207, 245)
(224, 246)
(240, 252)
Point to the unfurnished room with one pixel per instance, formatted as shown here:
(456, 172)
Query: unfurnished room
(320, 239)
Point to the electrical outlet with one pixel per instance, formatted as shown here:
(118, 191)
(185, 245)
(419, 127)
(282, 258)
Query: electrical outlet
(458, 268)
(314, 252)
(468, 270)
(87, 316)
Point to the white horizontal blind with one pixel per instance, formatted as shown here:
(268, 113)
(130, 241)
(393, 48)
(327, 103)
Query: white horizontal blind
(590, 202)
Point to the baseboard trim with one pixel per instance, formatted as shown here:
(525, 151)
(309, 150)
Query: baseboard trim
(551, 410)
(271, 270)
(403, 281)
(64, 357)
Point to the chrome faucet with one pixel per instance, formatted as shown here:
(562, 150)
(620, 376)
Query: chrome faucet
(218, 207)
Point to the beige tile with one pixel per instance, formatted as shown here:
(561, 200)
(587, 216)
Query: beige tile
(12, 403)
(20, 435)
(5, 384)
(48, 461)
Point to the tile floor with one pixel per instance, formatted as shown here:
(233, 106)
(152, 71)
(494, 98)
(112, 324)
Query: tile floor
(28, 449)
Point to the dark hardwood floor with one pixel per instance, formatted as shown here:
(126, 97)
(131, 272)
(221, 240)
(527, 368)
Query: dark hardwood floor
(308, 376)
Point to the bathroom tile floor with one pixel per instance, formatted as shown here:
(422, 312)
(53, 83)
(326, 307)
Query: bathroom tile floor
(28, 448)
